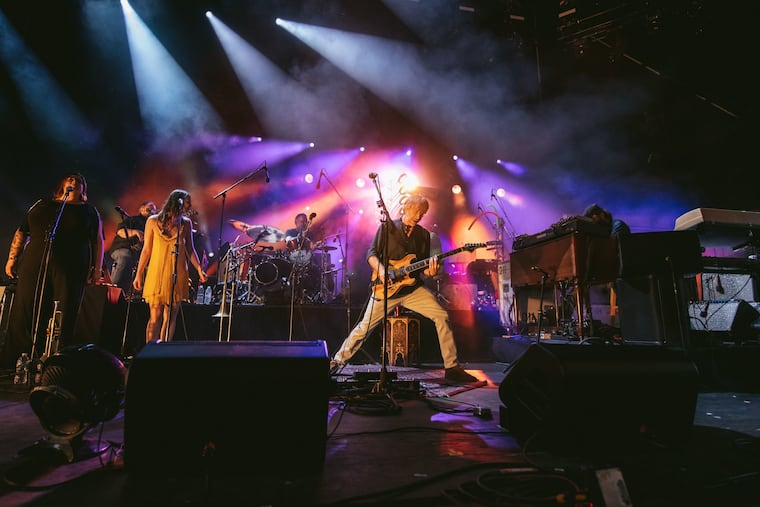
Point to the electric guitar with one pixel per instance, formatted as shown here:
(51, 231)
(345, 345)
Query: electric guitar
(398, 274)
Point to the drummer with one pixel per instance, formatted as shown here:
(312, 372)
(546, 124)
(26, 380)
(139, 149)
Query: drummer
(298, 240)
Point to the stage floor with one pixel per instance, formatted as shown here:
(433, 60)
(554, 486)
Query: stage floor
(418, 441)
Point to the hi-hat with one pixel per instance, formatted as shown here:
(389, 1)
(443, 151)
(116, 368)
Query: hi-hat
(326, 248)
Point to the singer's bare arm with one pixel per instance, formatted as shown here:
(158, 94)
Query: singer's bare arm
(190, 251)
(17, 245)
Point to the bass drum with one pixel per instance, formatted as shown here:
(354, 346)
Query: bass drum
(272, 274)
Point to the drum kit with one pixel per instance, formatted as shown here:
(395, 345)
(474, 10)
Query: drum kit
(260, 268)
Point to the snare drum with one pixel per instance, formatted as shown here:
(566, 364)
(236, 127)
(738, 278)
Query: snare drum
(300, 257)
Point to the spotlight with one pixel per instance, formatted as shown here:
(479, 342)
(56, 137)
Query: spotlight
(80, 386)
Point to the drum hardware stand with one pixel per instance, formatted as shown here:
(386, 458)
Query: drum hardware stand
(346, 282)
(297, 283)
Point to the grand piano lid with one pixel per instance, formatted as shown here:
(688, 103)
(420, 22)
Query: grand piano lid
(722, 227)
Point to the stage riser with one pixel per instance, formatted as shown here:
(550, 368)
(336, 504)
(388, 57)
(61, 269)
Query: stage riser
(102, 322)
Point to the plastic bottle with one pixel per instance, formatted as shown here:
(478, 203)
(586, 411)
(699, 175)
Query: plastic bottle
(207, 296)
(200, 296)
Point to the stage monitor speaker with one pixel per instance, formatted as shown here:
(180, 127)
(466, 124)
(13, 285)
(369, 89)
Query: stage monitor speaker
(226, 409)
(650, 310)
(738, 317)
(599, 397)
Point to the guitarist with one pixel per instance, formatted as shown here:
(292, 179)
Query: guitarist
(406, 240)
(127, 244)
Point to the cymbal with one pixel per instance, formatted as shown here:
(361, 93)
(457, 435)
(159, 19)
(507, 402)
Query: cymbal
(267, 233)
(326, 248)
(240, 226)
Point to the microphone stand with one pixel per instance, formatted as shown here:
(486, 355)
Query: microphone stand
(174, 276)
(43, 277)
(297, 281)
(346, 283)
(383, 382)
(223, 195)
(131, 294)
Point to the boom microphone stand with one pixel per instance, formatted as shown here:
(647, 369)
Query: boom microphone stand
(130, 296)
(223, 195)
(44, 272)
(383, 382)
(174, 273)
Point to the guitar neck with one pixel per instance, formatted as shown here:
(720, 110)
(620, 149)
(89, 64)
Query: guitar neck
(426, 262)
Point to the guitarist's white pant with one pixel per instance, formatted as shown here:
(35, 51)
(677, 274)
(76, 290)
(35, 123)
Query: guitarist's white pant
(420, 300)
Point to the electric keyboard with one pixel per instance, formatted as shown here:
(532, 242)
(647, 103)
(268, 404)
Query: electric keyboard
(722, 227)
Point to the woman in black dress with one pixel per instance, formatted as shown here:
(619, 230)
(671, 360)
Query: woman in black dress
(75, 259)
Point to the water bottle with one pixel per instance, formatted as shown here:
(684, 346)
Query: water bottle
(207, 296)
(22, 372)
(200, 296)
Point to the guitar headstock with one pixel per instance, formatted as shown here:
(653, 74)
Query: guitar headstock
(471, 247)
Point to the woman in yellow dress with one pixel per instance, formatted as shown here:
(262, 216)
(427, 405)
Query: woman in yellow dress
(162, 250)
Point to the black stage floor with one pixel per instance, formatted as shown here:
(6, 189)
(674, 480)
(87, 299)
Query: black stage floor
(414, 440)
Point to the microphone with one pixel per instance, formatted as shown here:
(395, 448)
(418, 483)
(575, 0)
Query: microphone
(719, 286)
(372, 176)
(312, 216)
(181, 201)
(536, 268)
(121, 211)
(703, 313)
(266, 171)
(69, 189)
(319, 180)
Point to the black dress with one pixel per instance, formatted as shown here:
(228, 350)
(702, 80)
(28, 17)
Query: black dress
(71, 258)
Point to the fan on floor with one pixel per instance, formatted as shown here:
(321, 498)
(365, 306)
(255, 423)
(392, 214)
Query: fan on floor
(80, 386)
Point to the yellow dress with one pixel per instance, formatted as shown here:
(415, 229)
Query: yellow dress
(158, 277)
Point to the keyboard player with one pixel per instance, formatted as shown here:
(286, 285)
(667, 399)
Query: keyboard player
(602, 216)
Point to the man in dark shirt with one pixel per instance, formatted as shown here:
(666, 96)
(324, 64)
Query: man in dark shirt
(407, 242)
(604, 217)
(126, 246)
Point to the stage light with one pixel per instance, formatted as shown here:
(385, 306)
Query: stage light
(455, 157)
(456, 189)
(80, 386)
